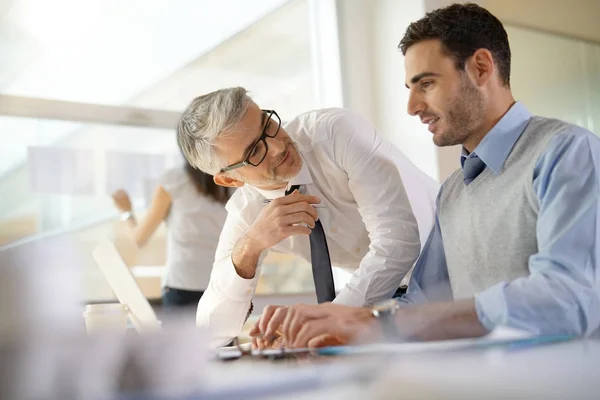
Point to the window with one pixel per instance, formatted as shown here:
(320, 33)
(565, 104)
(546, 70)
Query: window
(88, 99)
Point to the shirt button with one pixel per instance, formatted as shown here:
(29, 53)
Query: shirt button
(334, 230)
(357, 250)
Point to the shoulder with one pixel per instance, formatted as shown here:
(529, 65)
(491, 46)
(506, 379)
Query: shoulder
(570, 160)
(553, 126)
(323, 123)
(568, 138)
(245, 203)
(319, 127)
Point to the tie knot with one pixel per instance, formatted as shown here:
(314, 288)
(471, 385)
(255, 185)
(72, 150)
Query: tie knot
(472, 167)
(291, 189)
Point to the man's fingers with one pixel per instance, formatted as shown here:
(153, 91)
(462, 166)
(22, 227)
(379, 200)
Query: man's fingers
(262, 344)
(310, 330)
(299, 207)
(294, 323)
(285, 325)
(275, 322)
(296, 230)
(298, 218)
(294, 317)
(302, 313)
(266, 316)
(325, 340)
(255, 330)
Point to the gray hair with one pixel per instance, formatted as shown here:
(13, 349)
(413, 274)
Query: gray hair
(205, 120)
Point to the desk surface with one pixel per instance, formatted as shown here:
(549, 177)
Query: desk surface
(565, 370)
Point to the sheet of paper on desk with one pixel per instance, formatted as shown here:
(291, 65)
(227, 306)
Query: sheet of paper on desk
(260, 380)
(501, 336)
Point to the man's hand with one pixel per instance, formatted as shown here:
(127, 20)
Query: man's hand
(283, 217)
(287, 322)
(262, 339)
(270, 343)
(357, 327)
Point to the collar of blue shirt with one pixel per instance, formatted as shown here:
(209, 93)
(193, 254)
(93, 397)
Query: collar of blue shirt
(499, 141)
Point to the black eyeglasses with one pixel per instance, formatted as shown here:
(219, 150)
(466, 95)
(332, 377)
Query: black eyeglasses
(259, 149)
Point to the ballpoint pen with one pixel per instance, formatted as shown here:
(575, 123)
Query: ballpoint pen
(267, 201)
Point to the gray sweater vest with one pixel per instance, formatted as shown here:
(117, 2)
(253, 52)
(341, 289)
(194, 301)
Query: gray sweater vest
(489, 227)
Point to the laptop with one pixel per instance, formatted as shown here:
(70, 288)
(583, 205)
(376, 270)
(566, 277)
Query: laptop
(123, 284)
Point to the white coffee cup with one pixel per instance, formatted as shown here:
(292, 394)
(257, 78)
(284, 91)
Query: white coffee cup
(106, 318)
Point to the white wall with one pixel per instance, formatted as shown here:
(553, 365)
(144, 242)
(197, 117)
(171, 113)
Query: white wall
(373, 72)
(553, 75)
(556, 76)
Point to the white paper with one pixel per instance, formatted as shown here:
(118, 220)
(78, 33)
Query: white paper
(61, 171)
(497, 336)
(136, 173)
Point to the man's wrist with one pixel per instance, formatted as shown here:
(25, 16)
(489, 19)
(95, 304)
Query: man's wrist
(247, 247)
(385, 313)
(245, 257)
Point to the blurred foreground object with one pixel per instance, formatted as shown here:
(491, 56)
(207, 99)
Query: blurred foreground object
(45, 352)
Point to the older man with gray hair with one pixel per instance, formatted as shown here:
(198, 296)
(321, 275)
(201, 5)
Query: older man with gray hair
(326, 187)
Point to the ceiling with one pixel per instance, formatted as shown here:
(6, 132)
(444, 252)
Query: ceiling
(264, 47)
(108, 51)
(576, 18)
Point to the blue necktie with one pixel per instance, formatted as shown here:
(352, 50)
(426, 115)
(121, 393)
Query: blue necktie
(472, 167)
(321, 263)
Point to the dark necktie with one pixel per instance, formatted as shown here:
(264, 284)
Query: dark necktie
(321, 263)
(472, 167)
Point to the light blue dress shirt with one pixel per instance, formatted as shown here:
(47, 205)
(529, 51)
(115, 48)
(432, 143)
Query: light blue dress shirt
(562, 293)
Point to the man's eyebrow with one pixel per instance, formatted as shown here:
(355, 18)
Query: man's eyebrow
(418, 77)
(262, 124)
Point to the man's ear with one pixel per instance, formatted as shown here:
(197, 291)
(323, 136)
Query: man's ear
(222, 179)
(481, 66)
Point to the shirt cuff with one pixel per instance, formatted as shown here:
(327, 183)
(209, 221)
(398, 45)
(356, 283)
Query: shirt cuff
(349, 298)
(236, 287)
(491, 306)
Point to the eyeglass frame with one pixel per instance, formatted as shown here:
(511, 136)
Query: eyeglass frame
(263, 138)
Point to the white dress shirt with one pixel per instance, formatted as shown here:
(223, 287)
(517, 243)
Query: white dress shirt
(374, 199)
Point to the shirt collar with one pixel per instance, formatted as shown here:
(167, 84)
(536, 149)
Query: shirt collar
(303, 178)
(499, 141)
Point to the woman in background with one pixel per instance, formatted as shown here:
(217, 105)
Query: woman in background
(192, 206)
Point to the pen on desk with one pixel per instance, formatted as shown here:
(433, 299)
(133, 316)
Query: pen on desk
(267, 201)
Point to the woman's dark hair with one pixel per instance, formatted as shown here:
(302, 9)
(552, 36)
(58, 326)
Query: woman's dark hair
(205, 184)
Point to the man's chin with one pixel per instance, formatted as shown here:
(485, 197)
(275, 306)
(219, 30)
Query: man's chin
(278, 180)
(281, 175)
(290, 173)
(442, 140)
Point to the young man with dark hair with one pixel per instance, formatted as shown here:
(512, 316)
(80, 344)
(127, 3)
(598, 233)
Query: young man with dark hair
(516, 237)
